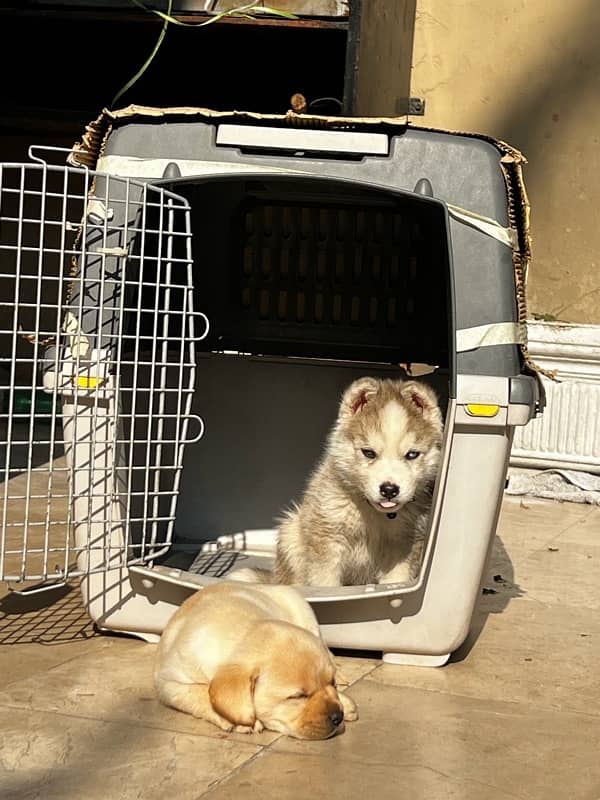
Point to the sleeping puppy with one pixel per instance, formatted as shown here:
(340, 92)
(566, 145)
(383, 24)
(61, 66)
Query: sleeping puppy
(251, 657)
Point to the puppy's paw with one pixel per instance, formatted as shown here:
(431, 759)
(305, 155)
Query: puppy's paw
(244, 575)
(243, 729)
(223, 724)
(341, 681)
(258, 727)
(349, 706)
(401, 573)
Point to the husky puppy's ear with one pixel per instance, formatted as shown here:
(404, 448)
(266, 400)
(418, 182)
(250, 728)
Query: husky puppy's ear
(424, 400)
(357, 395)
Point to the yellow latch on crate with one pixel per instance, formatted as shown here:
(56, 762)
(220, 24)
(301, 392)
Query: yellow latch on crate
(482, 409)
(84, 382)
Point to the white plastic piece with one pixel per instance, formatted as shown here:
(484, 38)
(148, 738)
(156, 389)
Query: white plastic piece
(49, 381)
(80, 344)
(487, 389)
(97, 209)
(151, 638)
(414, 660)
(261, 540)
(302, 139)
(518, 414)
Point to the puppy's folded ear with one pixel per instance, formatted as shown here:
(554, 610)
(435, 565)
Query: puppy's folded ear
(231, 693)
(357, 395)
(424, 400)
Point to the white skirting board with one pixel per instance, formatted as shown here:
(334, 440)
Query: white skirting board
(567, 435)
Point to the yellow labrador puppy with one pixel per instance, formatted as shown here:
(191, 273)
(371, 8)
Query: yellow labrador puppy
(248, 657)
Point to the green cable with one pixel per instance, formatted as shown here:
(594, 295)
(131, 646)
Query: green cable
(248, 11)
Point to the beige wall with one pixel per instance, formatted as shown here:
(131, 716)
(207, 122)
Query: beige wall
(528, 72)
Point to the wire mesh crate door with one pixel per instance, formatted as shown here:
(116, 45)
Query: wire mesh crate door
(99, 277)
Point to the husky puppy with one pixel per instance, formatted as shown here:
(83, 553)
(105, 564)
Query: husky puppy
(364, 514)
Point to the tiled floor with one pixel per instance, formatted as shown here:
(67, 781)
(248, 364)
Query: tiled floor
(516, 714)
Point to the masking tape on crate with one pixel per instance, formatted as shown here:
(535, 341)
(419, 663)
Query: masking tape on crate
(119, 252)
(134, 167)
(486, 225)
(489, 335)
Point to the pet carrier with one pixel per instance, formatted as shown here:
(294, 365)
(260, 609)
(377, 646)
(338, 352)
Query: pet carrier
(194, 291)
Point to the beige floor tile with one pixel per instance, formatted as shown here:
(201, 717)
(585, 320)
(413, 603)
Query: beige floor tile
(38, 632)
(59, 757)
(114, 685)
(544, 656)
(528, 527)
(568, 574)
(406, 739)
(527, 524)
(287, 776)
(18, 662)
(354, 665)
(586, 531)
(549, 552)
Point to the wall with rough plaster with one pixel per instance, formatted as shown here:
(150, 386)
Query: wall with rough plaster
(528, 72)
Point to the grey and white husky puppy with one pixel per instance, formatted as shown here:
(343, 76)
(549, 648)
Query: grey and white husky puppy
(364, 513)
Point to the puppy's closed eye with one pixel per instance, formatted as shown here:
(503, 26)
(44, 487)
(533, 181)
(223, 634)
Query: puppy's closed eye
(300, 695)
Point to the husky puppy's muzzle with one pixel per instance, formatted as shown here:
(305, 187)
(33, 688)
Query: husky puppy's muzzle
(390, 499)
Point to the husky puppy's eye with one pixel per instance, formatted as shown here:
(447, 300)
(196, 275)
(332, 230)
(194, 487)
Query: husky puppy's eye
(297, 696)
(368, 453)
(411, 455)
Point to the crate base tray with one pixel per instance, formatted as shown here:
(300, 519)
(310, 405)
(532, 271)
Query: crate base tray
(203, 563)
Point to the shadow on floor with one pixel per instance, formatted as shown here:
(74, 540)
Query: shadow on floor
(49, 617)
(57, 615)
(498, 589)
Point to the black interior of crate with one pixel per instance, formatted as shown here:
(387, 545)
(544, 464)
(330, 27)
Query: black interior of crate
(320, 268)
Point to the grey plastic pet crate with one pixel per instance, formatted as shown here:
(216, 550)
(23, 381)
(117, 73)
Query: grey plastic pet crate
(194, 292)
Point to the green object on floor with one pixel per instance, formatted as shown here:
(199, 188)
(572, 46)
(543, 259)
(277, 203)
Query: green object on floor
(22, 403)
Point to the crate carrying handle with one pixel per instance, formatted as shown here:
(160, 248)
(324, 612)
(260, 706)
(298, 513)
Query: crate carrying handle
(200, 421)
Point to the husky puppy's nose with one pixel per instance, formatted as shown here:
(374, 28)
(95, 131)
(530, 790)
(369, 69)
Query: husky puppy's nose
(388, 490)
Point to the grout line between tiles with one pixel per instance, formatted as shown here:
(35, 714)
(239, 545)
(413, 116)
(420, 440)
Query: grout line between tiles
(220, 781)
